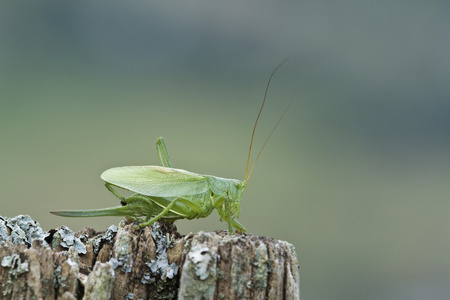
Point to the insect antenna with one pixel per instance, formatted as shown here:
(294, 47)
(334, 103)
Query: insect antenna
(276, 125)
(256, 123)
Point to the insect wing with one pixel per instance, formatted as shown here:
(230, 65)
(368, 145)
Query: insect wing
(156, 181)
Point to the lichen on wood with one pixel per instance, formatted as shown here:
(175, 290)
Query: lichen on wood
(151, 263)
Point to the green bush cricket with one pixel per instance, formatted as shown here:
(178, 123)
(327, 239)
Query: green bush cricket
(163, 192)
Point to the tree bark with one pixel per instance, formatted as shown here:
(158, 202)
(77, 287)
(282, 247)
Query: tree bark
(149, 263)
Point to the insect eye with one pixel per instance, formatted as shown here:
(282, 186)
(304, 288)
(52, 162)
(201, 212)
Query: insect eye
(239, 185)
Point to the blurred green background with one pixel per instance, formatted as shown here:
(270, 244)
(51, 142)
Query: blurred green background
(356, 176)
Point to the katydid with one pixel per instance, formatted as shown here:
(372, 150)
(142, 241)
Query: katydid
(163, 192)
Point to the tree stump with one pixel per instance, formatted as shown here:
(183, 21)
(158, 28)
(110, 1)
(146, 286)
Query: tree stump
(150, 263)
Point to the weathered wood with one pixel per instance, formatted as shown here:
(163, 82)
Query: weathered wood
(151, 263)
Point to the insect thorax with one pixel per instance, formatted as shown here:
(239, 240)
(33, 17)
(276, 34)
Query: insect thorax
(226, 195)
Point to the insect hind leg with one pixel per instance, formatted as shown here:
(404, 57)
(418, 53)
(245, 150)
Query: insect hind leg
(163, 154)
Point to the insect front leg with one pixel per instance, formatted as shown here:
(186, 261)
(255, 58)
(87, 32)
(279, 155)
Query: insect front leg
(239, 227)
(227, 210)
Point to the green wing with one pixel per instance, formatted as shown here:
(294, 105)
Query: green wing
(156, 181)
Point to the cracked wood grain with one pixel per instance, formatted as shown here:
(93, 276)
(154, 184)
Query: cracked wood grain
(152, 263)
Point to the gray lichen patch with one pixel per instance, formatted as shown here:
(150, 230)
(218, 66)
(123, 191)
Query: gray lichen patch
(160, 267)
(4, 232)
(15, 265)
(122, 255)
(201, 258)
(107, 238)
(15, 268)
(65, 238)
(199, 276)
(20, 229)
(129, 296)
(261, 268)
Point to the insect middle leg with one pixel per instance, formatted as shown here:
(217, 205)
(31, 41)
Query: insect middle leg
(176, 209)
(115, 193)
(159, 216)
